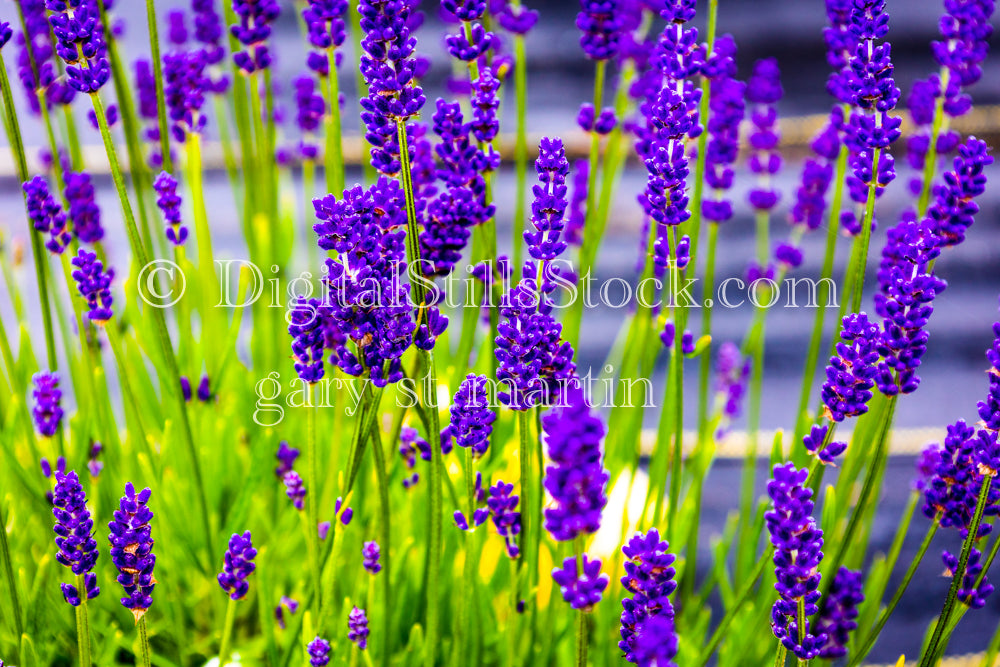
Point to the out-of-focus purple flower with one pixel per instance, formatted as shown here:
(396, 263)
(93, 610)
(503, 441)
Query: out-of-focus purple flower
(310, 109)
(837, 614)
(370, 552)
(810, 198)
(286, 459)
(285, 603)
(208, 31)
(94, 466)
(502, 506)
(357, 628)
(254, 29)
(851, 372)
(576, 478)
(798, 544)
(132, 550)
(763, 91)
(295, 489)
(84, 213)
(46, 215)
(80, 43)
(94, 285)
(600, 25)
(238, 565)
(726, 103)
(324, 21)
(35, 66)
(74, 535)
(516, 19)
(47, 395)
(485, 102)
(169, 203)
(649, 578)
(111, 115)
(319, 652)
(184, 90)
(582, 583)
(5, 33)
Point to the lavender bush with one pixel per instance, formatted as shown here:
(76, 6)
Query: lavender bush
(523, 522)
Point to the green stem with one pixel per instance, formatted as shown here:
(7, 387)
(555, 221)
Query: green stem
(83, 623)
(144, 643)
(334, 158)
(734, 610)
(866, 236)
(385, 531)
(8, 570)
(161, 106)
(527, 526)
(959, 574)
(312, 500)
(227, 633)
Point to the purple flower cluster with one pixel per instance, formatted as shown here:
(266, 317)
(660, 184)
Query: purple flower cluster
(35, 67)
(238, 566)
(851, 372)
(473, 40)
(47, 413)
(763, 91)
(389, 70)
(169, 203)
(953, 208)
(254, 28)
(295, 489)
(307, 329)
(310, 108)
(94, 285)
(208, 32)
(471, 416)
(74, 535)
(184, 89)
(84, 213)
(357, 628)
(76, 25)
(367, 301)
(816, 443)
(132, 550)
(798, 544)
(600, 25)
(726, 103)
(203, 391)
(502, 504)
(46, 215)
(576, 478)
(94, 466)
(970, 595)
(319, 651)
(370, 553)
(324, 21)
(603, 124)
(952, 490)
(839, 609)
(549, 206)
(581, 581)
(649, 578)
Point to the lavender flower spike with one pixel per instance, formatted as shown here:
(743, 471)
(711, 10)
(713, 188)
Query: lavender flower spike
(94, 285)
(600, 24)
(840, 608)
(549, 207)
(74, 536)
(371, 554)
(849, 377)
(132, 550)
(471, 417)
(47, 412)
(357, 628)
(319, 652)
(238, 566)
(253, 31)
(83, 210)
(46, 215)
(649, 577)
(79, 35)
(170, 205)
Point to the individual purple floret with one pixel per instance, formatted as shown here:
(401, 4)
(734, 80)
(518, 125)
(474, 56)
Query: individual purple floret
(471, 416)
(485, 125)
(656, 641)
(649, 578)
(286, 459)
(357, 628)
(254, 28)
(238, 566)
(837, 614)
(295, 489)
(170, 205)
(47, 395)
(319, 652)
(94, 285)
(324, 21)
(79, 35)
(46, 215)
(208, 31)
(600, 25)
(763, 92)
(279, 612)
(74, 535)
(582, 584)
(549, 206)
(132, 550)
(307, 329)
(502, 506)
(851, 372)
(84, 214)
(370, 552)
(798, 544)
(788, 255)
(389, 70)
(5, 33)
(576, 478)
(184, 89)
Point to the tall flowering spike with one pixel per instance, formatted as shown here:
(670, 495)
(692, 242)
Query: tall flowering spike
(46, 215)
(357, 628)
(35, 67)
(810, 197)
(389, 70)
(208, 31)
(732, 374)
(727, 105)
(798, 544)
(132, 550)
(74, 535)
(763, 92)
(286, 459)
(576, 479)
(850, 374)
(295, 489)
(308, 338)
(599, 22)
(47, 412)
(5, 33)
(84, 213)
(840, 608)
(253, 31)
(965, 29)
(79, 37)
(184, 89)
(94, 285)
(310, 107)
(649, 579)
(582, 583)
(238, 566)
(471, 416)
(371, 553)
(485, 102)
(577, 217)
(549, 207)
(169, 203)
(951, 490)
(319, 652)
(953, 208)
(502, 505)
(324, 21)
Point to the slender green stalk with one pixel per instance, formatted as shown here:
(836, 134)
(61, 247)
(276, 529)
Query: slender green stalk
(930, 160)
(582, 638)
(524, 569)
(800, 620)
(227, 633)
(334, 158)
(744, 596)
(866, 236)
(8, 571)
(780, 655)
(83, 623)
(520, 148)
(144, 652)
(161, 106)
(385, 531)
(313, 499)
(959, 574)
